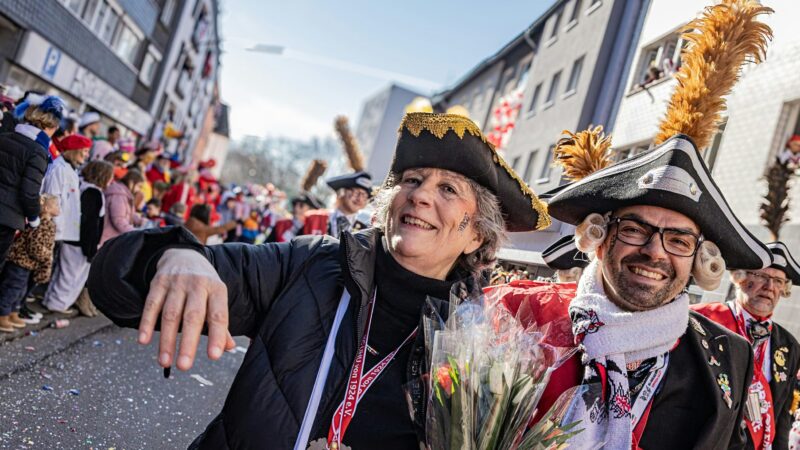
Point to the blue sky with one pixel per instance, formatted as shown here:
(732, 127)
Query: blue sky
(434, 41)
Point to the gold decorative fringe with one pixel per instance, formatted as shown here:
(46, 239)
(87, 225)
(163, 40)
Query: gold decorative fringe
(724, 37)
(439, 124)
(583, 153)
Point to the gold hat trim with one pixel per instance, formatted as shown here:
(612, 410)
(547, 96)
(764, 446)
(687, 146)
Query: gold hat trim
(439, 124)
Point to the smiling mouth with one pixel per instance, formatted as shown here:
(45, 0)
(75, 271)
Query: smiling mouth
(416, 222)
(646, 273)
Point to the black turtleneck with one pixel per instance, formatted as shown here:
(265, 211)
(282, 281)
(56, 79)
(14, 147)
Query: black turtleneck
(382, 419)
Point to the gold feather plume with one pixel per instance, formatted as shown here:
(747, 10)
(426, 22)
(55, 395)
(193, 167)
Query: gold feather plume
(724, 37)
(315, 170)
(583, 153)
(354, 156)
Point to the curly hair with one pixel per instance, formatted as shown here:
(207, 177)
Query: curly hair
(488, 221)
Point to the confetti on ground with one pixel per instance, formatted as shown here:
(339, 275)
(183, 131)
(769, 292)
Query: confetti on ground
(30, 349)
(202, 380)
(47, 388)
(74, 392)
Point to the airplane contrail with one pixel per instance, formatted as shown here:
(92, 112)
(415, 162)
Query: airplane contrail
(345, 65)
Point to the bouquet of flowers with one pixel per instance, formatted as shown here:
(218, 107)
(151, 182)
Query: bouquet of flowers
(488, 371)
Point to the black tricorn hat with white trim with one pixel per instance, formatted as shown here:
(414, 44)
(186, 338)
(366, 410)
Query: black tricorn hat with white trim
(672, 176)
(564, 255)
(308, 199)
(361, 180)
(783, 260)
(453, 142)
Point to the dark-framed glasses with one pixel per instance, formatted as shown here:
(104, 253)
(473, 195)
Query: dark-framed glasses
(638, 233)
(764, 279)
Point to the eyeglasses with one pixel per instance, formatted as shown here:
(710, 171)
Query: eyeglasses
(675, 242)
(358, 194)
(764, 279)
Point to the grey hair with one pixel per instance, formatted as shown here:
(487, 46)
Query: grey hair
(488, 221)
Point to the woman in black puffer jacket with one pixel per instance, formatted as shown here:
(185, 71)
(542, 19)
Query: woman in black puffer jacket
(23, 160)
(314, 304)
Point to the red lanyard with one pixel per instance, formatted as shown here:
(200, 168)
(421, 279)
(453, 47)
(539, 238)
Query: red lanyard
(359, 382)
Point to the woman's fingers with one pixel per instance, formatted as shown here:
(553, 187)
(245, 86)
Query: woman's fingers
(230, 344)
(170, 323)
(152, 308)
(194, 316)
(219, 339)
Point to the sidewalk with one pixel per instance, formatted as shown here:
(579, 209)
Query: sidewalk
(35, 343)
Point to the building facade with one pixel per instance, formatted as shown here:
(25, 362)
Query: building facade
(566, 71)
(100, 55)
(141, 64)
(377, 127)
(187, 88)
(763, 112)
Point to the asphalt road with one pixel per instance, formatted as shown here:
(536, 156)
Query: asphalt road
(101, 390)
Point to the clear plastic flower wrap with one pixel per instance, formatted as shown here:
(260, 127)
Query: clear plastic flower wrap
(488, 368)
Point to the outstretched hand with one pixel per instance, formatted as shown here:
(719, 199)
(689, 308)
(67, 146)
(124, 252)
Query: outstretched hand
(187, 293)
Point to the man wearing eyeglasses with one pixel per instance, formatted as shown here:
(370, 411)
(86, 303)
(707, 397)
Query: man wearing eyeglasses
(658, 376)
(352, 193)
(768, 412)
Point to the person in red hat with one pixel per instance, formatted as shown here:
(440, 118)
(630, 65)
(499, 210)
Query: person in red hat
(790, 155)
(160, 169)
(63, 182)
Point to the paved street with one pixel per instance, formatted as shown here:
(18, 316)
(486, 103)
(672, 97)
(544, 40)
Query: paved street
(120, 398)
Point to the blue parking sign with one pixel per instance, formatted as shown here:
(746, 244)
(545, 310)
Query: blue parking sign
(51, 62)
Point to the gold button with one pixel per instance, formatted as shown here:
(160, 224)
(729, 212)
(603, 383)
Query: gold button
(692, 188)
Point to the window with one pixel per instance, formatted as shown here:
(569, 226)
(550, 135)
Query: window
(167, 11)
(201, 28)
(76, 6)
(556, 22)
(576, 10)
(551, 94)
(628, 152)
(106, 33)
(710, 154)
(544, 174)
(185, 78)
(127, 44)
(149, 66)
(526, 176)
(523, 75)
(515, 163)
(574, 75)
(104, 18)
(659, 60)
(535, 99)
(508, 81)
(88, 13)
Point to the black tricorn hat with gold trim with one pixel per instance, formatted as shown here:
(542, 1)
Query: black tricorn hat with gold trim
(453, 142)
